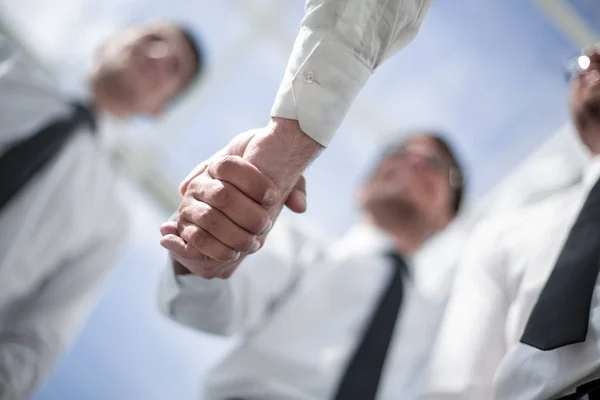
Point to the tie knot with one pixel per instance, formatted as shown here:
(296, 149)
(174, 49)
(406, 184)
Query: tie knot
(397, 261)
(83, 113)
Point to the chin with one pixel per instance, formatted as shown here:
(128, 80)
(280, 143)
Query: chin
(587, 115)
(390, 208)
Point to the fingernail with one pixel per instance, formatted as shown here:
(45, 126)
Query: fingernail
(303, 197)
(255, 246)
(268, 226)
(236, 255)
(271, 197)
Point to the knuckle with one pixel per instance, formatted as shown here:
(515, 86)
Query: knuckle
(187, 234)
(223, 254)
(259, 221)
(193, 185)
(200, 215)
(221, 195)
(186, 208)
(225, 166)
(244, 243)
(209, 219)
(182, 206)
(201, 239)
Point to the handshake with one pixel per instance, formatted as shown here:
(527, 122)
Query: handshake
(228, 207)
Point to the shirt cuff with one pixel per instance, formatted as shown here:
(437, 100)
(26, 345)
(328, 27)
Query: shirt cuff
(173, 285)
(321, 81)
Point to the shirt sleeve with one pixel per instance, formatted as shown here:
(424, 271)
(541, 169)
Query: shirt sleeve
(41, 326)
(339, 45)
(471, 339)
(243, 302)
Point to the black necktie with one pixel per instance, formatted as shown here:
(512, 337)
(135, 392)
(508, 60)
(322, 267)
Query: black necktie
(561, 314)
(25, 158)
(362, 375)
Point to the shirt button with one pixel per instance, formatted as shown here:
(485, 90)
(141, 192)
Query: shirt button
(308, 77)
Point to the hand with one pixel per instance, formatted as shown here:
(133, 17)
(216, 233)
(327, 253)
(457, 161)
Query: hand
(223, 214)
(280, 150)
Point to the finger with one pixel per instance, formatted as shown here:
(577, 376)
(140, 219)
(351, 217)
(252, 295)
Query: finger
(296, 201)
(168, 228)
(180, 249)
(206, 243)
(233, 203)
(236, 147)
(247, 178)
(227, 273)
(214, 223)
(195, 172)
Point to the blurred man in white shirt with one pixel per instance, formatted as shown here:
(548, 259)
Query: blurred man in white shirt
(339, 46)
(61, 226)
(523, 321)
(317, 318)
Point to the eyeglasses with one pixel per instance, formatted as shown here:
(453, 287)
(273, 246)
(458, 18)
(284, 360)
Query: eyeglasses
(580, 62)
(455, 177)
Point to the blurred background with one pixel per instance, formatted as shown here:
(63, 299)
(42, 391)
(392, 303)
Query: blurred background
(487, 73)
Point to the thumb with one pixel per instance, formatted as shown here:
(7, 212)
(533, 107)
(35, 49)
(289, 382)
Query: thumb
(195, 172)
(236, 147)
(296, 201)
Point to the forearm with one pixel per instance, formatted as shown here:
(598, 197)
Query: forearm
(339, 45)
(241, 303)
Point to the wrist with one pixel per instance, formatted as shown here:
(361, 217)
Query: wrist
(282, 152)
(293, 146)
(180, 269)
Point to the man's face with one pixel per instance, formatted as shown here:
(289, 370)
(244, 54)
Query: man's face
(412, 182)
(585, 88)
(140, 70)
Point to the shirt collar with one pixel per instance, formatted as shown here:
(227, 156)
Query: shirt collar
(367, 239)
(591, 172)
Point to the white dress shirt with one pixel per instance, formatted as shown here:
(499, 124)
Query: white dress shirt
(478, 354)
(58, 235)
(300, 305)
(340, 44)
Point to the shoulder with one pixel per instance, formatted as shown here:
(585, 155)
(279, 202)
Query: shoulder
(527, 219)
(17, 64)
(29, 97)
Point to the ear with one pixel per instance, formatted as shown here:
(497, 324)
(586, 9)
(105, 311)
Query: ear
(360, 195)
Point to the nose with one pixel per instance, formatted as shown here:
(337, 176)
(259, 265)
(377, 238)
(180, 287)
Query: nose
(415, 163)
(157, 49)
(164, 58)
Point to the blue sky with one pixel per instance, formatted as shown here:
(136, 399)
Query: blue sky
(488, 73)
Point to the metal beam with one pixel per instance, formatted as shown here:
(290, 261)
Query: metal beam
(568, 21)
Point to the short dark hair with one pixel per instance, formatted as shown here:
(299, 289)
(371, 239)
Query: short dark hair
(195, 44)
(458, 186)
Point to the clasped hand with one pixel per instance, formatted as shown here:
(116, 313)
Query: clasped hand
(226, 211)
